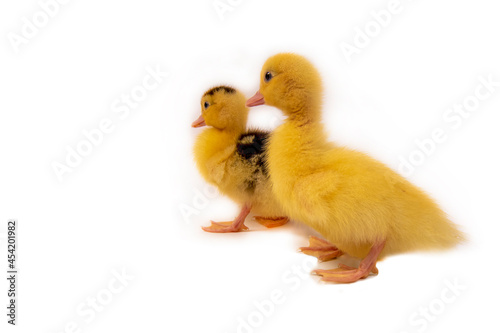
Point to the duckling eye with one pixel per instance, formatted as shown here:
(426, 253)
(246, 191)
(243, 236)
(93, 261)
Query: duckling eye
(206, 105)
(268, 77)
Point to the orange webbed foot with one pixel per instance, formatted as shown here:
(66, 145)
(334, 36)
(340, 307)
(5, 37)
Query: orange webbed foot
(321, 249)
(348, 274)
(271, 222)
(344, 274)
(221, 227)
(235, 226)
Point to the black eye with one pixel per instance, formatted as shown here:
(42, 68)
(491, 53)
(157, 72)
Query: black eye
(206, 105)
(268, 77)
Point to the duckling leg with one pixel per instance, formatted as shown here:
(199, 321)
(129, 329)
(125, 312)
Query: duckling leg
(347, 274)
(272, 222)
(321, 249)
(234, 226)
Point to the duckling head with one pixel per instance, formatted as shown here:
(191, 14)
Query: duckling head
(291, 83)
(223, 108)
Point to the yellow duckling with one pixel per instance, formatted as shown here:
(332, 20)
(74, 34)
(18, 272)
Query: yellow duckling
(233, 159)
(357, 203)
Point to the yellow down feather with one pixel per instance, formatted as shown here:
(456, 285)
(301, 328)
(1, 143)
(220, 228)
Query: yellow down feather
(350, 198)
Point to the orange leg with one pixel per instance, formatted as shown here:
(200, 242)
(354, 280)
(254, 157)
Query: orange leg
(272, 222)
(321, 249)
(234, 226)
(347, 274)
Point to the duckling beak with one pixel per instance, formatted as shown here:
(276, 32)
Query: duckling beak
(257, 99)
(200, 122)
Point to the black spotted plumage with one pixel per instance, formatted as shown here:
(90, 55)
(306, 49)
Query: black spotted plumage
(226, 89)
(251, 146)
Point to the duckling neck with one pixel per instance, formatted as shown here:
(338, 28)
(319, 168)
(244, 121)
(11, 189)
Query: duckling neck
(214, 140)
(305, 118)
(300, 139)
(305, 115)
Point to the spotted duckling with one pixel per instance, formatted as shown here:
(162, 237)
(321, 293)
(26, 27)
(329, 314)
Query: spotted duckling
(234, 159)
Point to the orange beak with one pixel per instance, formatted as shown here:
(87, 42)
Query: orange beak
(257, 99)
(200, 122)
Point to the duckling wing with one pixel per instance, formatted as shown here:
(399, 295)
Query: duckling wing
(314, 193)
(217, 165)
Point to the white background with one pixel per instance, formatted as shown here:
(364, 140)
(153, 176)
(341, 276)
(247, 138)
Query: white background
(120, 209)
